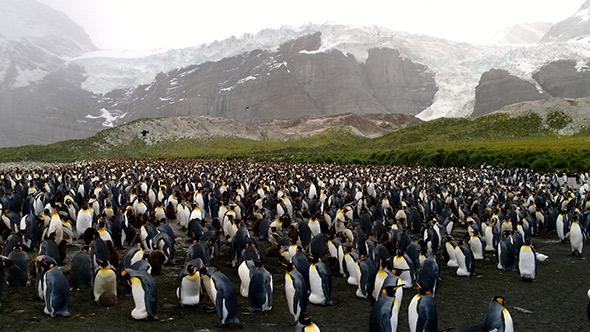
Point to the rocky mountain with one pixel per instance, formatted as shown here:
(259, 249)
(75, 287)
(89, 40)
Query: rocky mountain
(575, 27)
(565, 78)
(457, 67)
(521, 34)
(497, 88)
(295, 81)
(35, 40)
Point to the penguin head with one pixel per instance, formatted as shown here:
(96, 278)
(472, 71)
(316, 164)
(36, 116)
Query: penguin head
(390, 290)
(305, 319)
(288, 266)
(102, 263)
(500, 299)
(126, 277)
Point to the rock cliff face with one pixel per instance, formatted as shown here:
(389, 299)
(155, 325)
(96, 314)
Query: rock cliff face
(47, 111)
(497, 88)
(295, 81)
(564, 79)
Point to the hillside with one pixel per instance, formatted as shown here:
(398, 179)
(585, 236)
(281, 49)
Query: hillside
(524, 140)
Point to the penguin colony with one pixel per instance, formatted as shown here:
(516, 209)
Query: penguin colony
(383, 229)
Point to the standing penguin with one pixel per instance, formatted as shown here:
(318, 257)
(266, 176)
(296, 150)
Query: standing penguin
(384, 315)
(225, 298)
(296, 291)
(527, 261)
(261, 289)
(404, 263)
(145, 294)
(105, 285)
(320, 282)
(56, 292)
(304, 324)
(245, 272)
(17, 275)
(429, 275)
(477, 246)
(465, 260)
(576, 238)
(188, 290)
(498, 318)
(81, 270)
(422, 313)
(42, 264)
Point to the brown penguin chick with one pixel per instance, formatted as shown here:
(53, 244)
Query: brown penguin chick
(156, 260)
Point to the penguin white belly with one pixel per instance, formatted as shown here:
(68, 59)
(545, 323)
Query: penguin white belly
(576, 238)
(290, 293)
(413, 313)
(136, 257)
(462, 269)
(315, 228)
(206, 283)
(315, 283)
(224, 312)
(559, 226)
(500, 267)
(140, 310)
(105, 282)
(379, 280)
(452, 257)
(489, 237)
(350, 266)
(190, 293)
(406, 276)
(244, 273)
(508, 324)
(341, 260)
(48, 310)
(394, 315)
(476, 247)
(526, 263)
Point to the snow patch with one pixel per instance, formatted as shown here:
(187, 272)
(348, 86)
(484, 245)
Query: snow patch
(246, 79)
(26, 77)
(110, 117)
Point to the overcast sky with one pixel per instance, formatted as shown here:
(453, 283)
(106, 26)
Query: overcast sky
(153, 24)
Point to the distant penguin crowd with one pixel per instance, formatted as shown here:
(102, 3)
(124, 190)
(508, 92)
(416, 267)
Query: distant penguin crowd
(113, 227)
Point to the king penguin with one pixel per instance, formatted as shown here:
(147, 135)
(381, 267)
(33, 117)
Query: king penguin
(384, 315)
(498, 318)
(320, 282)
(145, 294)
(224, 297)
(527, 261)
(295, 291)
(260, 290)
(57, 292)
(576, 238)
(105, 285)
(81, 269)
(188, 290)
(422, 313)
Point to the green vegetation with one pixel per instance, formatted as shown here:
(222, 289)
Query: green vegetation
(558, 120)
(497, 140)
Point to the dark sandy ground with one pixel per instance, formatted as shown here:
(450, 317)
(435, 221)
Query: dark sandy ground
(556, 301)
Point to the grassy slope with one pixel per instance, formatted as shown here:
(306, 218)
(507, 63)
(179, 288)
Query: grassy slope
(524, 141)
